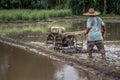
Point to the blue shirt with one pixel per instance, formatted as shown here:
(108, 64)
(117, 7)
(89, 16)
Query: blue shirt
(95, 24)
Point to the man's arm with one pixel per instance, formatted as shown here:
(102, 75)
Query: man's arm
(87, 31)
(103, 31)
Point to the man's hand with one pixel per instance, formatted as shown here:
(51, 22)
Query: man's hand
(87, 31)
(103, 31)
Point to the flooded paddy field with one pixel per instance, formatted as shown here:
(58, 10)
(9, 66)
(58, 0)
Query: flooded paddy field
(19, 64)
(35, 34)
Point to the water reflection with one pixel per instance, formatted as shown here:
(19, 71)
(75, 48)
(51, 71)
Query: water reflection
(68, 73)
(113, 31)
(3, 66)
(18, 64)
(38, 31)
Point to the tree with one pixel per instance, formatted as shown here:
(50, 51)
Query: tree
(104, 12)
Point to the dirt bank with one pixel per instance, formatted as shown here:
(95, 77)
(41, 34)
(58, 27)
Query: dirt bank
(107, 19)
(108, 72)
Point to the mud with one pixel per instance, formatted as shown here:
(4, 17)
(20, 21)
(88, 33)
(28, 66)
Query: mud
(98, 67)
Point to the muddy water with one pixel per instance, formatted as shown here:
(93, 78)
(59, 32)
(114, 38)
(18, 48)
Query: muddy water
(17, 64)
(38, 31)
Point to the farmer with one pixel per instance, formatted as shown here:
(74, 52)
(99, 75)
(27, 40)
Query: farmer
(95, 29)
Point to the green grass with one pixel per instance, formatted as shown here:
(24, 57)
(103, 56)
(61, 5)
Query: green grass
(26, 14)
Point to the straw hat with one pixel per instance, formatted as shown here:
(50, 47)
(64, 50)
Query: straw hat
(91, 12)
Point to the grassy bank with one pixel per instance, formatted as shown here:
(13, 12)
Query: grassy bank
(13, 15)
